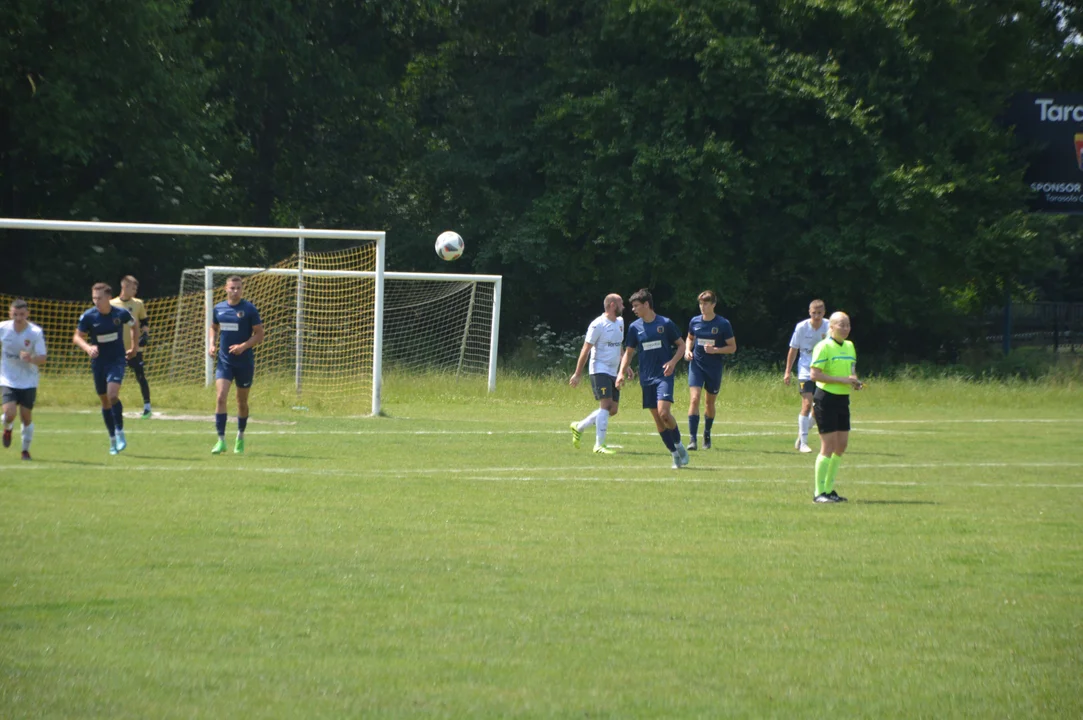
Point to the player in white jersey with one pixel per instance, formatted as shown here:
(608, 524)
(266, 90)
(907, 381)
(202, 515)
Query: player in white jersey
(603, 345)
(806, 335)
(22, 352)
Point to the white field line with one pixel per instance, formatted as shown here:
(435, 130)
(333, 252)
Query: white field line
(160, 417)
(210, 431)
(582, 474)
(139, 429)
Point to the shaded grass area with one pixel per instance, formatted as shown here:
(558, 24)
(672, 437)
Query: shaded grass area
(459, 559)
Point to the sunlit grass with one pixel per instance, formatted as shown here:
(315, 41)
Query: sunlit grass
(457, 558)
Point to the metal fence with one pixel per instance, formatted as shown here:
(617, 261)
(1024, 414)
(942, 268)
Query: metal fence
(1057, 326)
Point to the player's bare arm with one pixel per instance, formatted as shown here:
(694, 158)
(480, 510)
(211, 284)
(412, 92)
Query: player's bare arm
(728, 349)
(670, 367)
(690, 344)
(28, 356)
(625, 366)
(580, 364)
(133, 332)
(790, 357)
(80, 341)
(212, 343)
(256, 339)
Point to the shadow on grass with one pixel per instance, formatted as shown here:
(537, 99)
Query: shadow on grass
(894, 502)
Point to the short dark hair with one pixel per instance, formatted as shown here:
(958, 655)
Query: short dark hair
(708, 296)
(102, 287)
(643, 295)
(129, 279)
(236, 278)
(19, 304)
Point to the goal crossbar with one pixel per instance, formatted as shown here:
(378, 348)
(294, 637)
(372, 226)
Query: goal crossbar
(217, 230)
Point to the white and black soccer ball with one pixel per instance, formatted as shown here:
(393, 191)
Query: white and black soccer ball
(450, 246)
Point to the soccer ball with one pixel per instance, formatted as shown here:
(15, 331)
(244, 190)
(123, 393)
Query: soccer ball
(450, 246)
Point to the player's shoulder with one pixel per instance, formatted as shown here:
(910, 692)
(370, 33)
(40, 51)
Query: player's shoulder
(90, 313)
(116, 302)
(7, 324)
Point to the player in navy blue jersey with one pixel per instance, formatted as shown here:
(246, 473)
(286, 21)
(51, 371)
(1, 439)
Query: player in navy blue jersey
(660, 347)
(98, 334)
(710, 336)
(239, 328)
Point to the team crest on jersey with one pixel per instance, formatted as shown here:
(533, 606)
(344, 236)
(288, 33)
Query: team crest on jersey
(26, 343)
(240, 313)
(661, 329)
(116, 321)
(714, 331)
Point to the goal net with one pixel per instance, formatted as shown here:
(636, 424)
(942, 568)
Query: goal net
(319, 317)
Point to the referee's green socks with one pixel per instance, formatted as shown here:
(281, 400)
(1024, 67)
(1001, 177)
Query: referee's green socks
(823, 464)
(832, 472)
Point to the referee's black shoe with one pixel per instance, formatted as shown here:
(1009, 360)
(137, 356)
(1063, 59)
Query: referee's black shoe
(835, 497)
(823, 498)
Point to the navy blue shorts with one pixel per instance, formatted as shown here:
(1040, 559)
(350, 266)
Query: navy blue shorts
(706, 378)
(659, 390)
(806, 386)
(107, 371)
(240, 374)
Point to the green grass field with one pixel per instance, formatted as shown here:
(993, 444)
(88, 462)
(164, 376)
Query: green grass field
(459, 559)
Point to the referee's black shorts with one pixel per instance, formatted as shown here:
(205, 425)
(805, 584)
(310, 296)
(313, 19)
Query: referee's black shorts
(832, 412)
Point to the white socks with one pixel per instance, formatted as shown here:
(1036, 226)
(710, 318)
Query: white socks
(804, 423)
(588, 421)
(28, 435)
(601, 425)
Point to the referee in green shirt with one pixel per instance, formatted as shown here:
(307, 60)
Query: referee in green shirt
(834, 370)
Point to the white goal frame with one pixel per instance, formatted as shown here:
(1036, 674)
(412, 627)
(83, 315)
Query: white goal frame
(301, 273)
(379, 237)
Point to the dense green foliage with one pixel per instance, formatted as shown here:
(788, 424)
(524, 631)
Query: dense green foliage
(773, 150)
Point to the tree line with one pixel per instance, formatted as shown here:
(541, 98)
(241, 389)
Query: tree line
(773, 151)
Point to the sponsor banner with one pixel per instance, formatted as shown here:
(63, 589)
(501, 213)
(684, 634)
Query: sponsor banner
(1050, 127)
